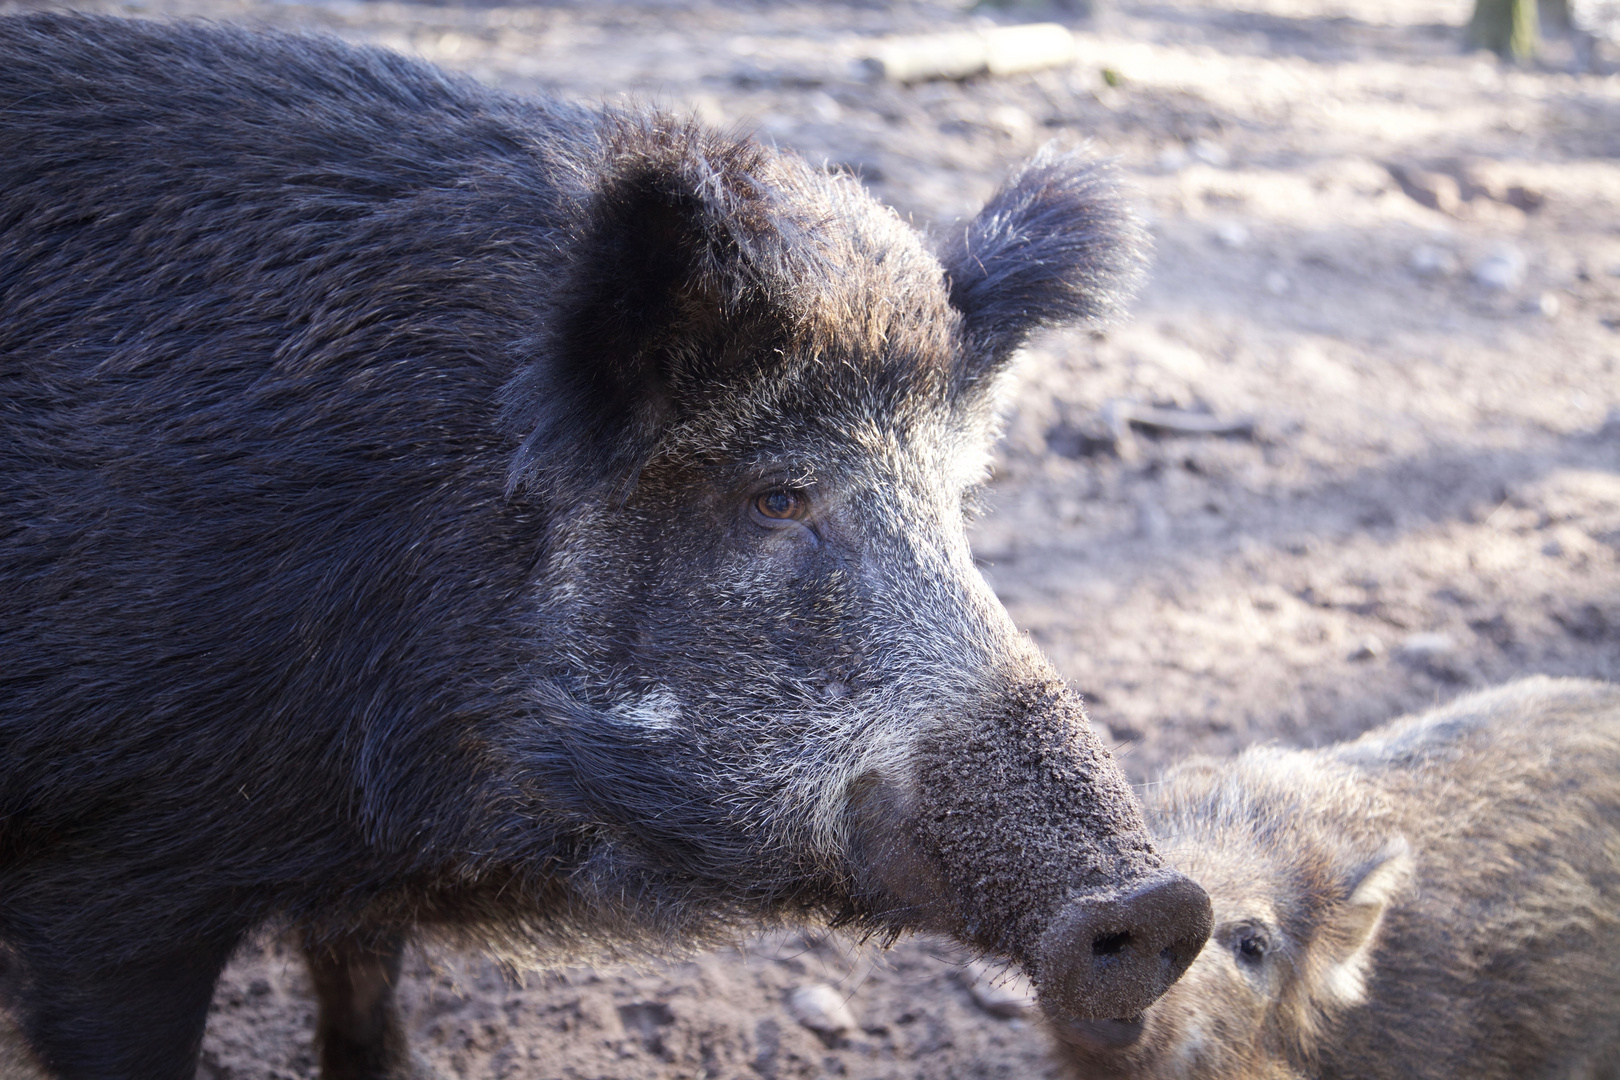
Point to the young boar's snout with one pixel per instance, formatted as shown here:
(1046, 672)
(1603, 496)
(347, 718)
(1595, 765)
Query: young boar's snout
(1107, 960)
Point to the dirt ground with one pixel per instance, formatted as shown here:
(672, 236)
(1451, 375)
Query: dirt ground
(1395, 265)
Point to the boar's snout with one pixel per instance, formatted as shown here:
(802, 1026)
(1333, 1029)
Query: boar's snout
(1110, 959)
(1019, 836)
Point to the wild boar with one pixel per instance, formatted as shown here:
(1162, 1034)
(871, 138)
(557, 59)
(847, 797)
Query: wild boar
(424, 510)
(1437, 899)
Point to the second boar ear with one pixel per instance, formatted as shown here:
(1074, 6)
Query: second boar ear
(666, 289)
(1349, 933)
(1055, 246)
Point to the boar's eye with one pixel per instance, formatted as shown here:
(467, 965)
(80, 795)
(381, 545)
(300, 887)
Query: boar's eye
(781, 504)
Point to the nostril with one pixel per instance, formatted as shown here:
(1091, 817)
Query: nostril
(1110, 944)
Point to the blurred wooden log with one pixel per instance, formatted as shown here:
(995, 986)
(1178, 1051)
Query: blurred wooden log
(1509, 28)
(1004, 50)
(1120, 415)
(926, 57)
(1014, 49)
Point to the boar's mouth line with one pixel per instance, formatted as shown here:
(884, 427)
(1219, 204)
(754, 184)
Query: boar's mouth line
(1101, 1035)
(615, 780)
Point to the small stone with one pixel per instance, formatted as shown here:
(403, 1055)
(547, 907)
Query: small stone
(1548, 305)
(708, 109)
(1232, 234)
(1152, 523)
(1501, 270)
(1436, 190)
(1174, 158)
(999, 992)
(824, 107)
(1277, 283)
(1209, 153)
(1427, 646)
(1011, 119)
(821, 1008)
(1431, 261)
(1370, 647)
(1528, 199)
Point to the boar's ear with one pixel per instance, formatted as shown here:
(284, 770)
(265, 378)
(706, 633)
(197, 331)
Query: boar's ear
(1342, 951)
(1056, 245)
(668, 288)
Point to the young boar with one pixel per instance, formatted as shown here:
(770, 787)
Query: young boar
(427, 510)
(1438, 900)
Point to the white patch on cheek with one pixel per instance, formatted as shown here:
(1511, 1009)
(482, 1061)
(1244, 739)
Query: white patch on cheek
(1182, 1009)
(1194, 1041)
(884, 751)
(1207, 1005)
(1347, 983)
(657, 710)
(970, 466)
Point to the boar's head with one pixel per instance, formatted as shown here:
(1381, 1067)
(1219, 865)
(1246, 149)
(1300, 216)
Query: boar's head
(776, 685)
(1301, 861)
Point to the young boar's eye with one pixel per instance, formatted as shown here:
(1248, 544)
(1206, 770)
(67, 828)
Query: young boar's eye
(781, 505)
(1251, 945)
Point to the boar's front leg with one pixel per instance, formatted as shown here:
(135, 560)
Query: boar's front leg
(359, 1033)
(87, 1019)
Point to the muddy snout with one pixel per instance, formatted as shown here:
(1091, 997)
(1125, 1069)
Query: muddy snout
(1108, 959)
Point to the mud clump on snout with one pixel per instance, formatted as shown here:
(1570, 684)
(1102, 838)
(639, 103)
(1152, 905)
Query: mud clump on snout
(428, 511)
(1438, 899)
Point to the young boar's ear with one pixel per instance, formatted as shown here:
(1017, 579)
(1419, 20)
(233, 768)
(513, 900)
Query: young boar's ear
(670, 287)
(1055, 246)
(1345, 942)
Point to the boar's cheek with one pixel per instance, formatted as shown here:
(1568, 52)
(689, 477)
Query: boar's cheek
(896, 883)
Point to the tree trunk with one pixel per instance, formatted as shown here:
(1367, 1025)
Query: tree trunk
(1506, 27)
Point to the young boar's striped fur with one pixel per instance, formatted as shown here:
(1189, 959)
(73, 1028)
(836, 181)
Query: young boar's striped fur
(423, 509)
(1438, 900)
